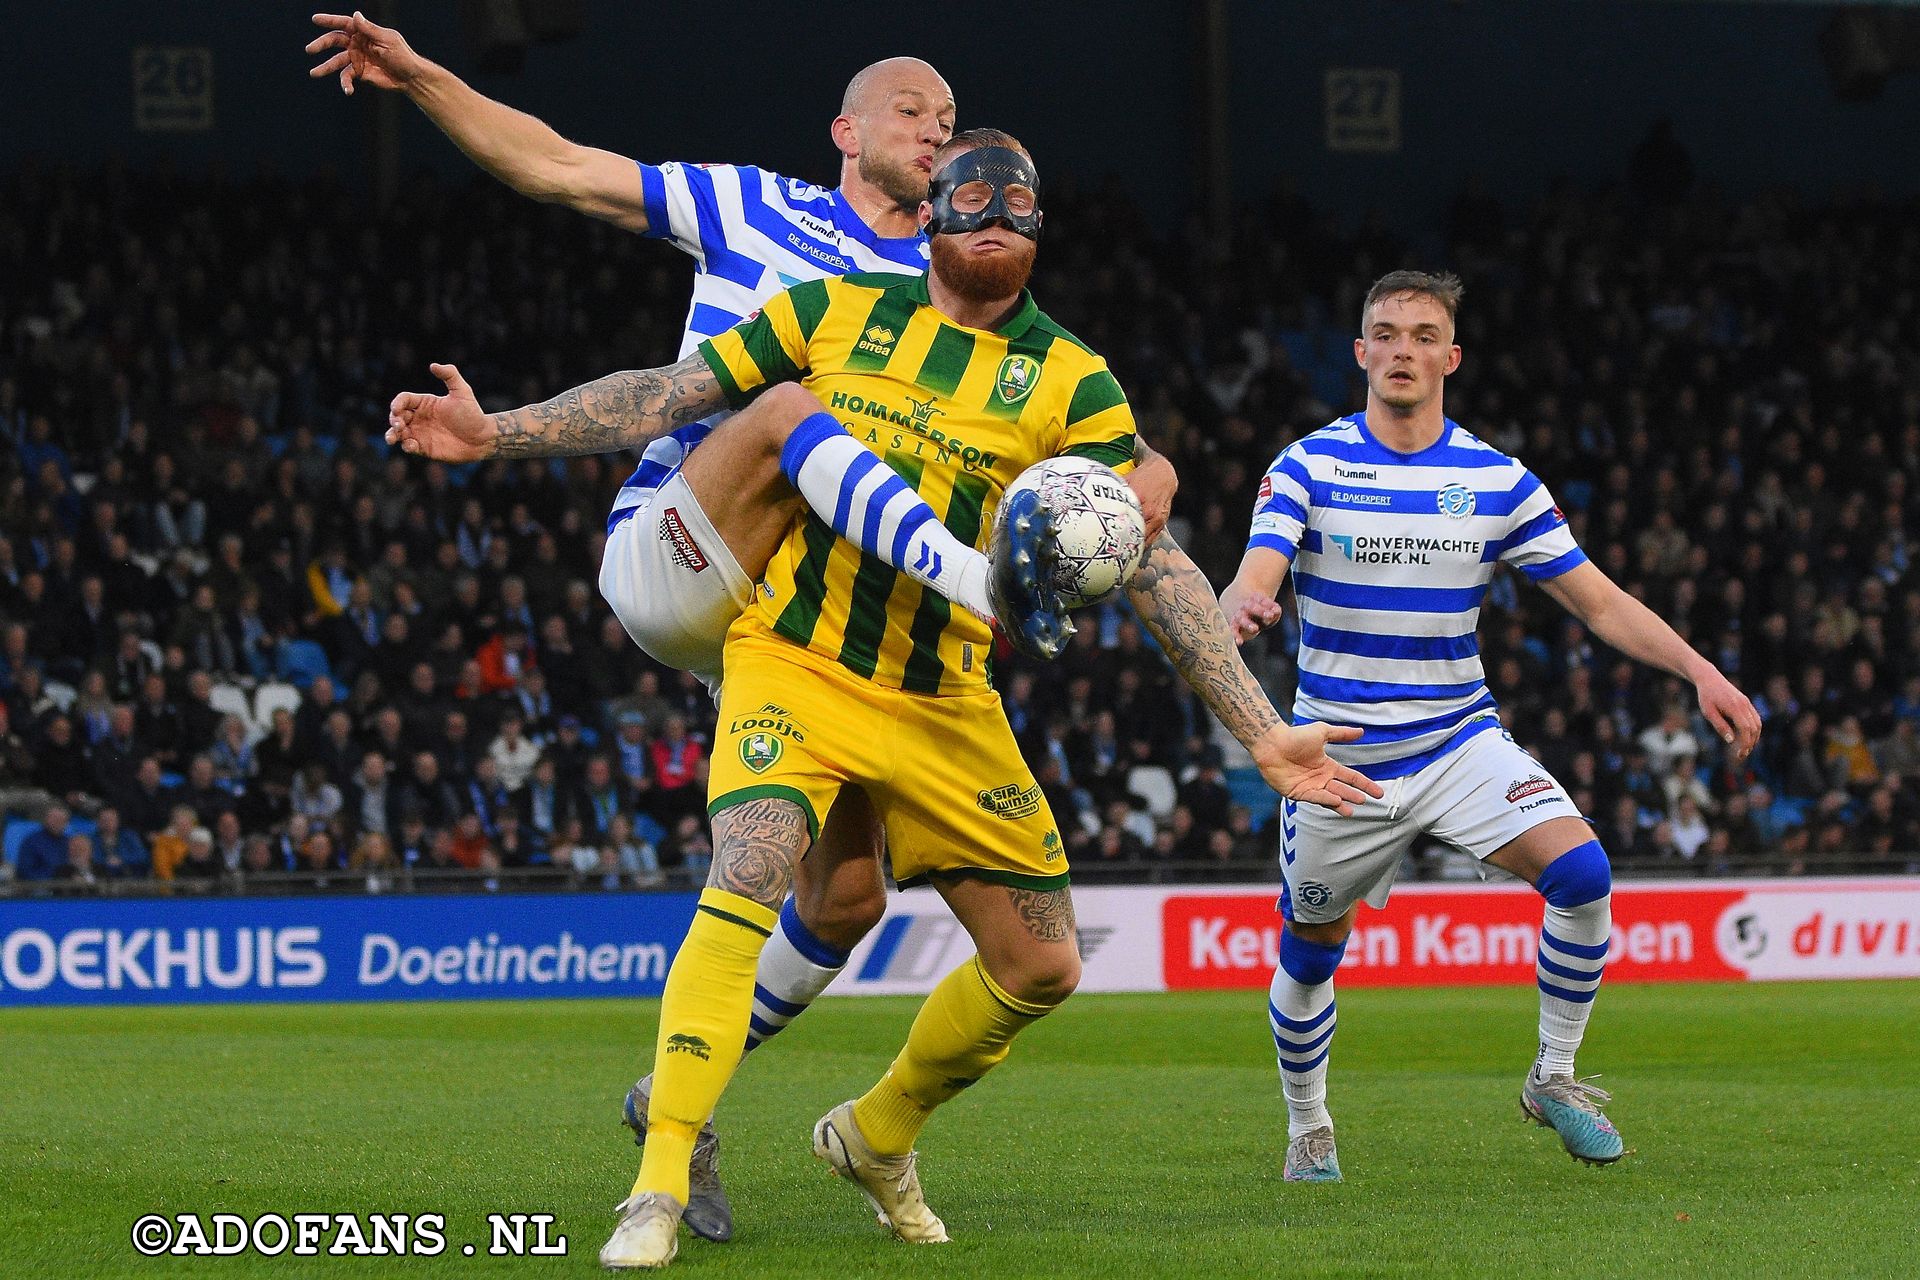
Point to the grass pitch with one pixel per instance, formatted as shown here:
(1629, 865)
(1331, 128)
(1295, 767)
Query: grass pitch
(1772, 1130)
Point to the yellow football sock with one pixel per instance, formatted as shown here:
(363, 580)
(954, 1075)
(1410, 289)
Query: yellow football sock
(962, 1032)
(703, 1031)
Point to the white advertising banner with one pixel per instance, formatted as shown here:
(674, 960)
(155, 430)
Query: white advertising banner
(1228, 936)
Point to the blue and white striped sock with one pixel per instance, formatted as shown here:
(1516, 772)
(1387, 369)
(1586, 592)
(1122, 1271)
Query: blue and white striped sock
(848, 486)
(795, 967)
(1302, 1015)
(1573, 954)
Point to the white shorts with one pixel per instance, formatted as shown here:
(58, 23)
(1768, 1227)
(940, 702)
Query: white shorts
(1477, 798)
(673, 583)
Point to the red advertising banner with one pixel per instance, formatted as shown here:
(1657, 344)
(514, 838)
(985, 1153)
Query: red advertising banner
(1432, 935)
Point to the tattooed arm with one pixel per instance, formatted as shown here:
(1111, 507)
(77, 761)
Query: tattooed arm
(626, 410)
(1178, 606)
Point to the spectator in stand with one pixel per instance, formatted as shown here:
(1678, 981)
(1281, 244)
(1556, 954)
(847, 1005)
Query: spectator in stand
(117, 851)
(679, 772)
(1688, 826)
(314, 797)
(470, 847)
(426, 794)
(514, 754)
(76, 870)
(61, 767)
(629, 855)
(200, 863)
(42, 852)
(371, 801)
(233, 757)
(228, 843)
(631, 752)
(373, 862)
(317, 865)
(692, 852)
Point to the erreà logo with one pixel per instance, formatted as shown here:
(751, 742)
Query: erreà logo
(680, 1043)
(760, 751)
(877, 341)
(1016, 378)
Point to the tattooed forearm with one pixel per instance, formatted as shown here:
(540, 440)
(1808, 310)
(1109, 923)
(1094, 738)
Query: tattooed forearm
(1048, 914)
(1174, 600)
(755, 847)
(620, 411)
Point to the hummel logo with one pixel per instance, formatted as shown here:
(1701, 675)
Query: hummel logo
(927, 556)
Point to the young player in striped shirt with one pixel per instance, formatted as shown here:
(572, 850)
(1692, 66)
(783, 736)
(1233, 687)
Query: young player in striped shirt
(1392, 521)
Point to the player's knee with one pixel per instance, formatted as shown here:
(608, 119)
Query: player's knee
(1047, 978)
(1309, 962)
(841, 920)
(1577, 877)
(782, 407)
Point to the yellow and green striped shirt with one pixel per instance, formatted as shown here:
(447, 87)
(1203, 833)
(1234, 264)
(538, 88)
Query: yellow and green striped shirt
(956, 412)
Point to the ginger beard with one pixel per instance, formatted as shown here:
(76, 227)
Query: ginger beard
(983, 277)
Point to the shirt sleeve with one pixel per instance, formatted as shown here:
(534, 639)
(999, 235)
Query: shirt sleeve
(702, 209)
(1280, 509)
(1100, 422)
(1538, 543)
(769, 346)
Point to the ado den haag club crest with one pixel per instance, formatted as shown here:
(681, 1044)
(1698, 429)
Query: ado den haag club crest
(1016, 378)
(759, 751)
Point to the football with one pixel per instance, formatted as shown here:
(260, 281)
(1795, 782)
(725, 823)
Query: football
(1102, 532)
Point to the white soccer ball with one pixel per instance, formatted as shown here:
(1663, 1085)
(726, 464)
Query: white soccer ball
(1102, 532)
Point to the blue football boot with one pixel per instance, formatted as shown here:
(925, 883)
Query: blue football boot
(1571, 1108)
(1311, 1157)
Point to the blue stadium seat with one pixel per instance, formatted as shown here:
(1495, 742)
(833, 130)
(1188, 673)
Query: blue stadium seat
(18, 829)
(1248, 788)
(299, 661)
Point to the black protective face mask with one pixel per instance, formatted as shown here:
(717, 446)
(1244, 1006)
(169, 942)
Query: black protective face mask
(999, 168)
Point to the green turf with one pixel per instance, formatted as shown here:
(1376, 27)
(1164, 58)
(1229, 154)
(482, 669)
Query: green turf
(1772, 1130)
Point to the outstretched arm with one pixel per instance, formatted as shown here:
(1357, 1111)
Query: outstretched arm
(513, 146)
(1637, 631)
(1178, 606)
(626, 410)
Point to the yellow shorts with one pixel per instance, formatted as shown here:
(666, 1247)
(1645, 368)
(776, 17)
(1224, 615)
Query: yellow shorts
(943, 773)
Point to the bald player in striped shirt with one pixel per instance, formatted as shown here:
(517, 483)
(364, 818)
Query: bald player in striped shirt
(692, 529)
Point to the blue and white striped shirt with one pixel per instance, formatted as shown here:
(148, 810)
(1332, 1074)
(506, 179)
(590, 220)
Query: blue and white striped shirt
(752, 234)
(1392, 553)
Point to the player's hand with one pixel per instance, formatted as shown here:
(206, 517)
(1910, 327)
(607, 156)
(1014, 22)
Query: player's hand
(1252, 615)
(1154, 483)
(448, 428)
(1294, 762)
(365, 51)
(1730, 713)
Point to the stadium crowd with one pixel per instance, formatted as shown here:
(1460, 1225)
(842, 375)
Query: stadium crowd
(239, 642)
